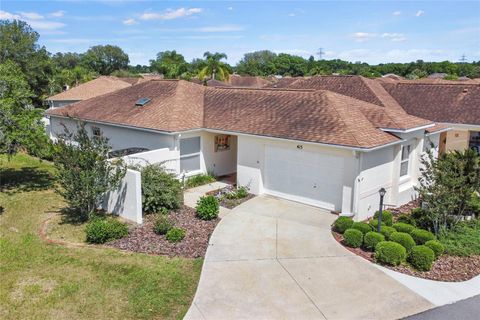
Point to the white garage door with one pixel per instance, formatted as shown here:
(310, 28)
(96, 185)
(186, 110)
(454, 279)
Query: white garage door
(311, 177)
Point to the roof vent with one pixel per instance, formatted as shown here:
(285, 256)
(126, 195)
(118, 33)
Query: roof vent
(142, 101)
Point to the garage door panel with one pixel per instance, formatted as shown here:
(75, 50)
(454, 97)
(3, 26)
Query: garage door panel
(312, 177)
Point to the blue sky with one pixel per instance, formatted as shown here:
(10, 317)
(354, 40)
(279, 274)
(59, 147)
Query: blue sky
(370, 31)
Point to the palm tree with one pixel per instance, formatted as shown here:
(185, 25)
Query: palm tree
(215, 68)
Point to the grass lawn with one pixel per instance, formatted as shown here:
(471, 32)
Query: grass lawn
(45, 281)
(463, 240)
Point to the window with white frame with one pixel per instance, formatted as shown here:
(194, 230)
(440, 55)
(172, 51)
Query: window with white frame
(190, 154)
(404, 163)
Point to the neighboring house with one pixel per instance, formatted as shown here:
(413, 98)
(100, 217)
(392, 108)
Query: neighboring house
(313, 146)
(90, 89)
(451, 103)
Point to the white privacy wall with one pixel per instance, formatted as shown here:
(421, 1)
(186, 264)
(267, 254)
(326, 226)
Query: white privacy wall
(119, 137)
(169, 159)
(126, 201)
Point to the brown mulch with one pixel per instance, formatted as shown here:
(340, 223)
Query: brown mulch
(194, 245)
(445, 268)
(406, 208)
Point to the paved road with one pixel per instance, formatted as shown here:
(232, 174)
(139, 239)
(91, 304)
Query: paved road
(276, 259)
(468, 309)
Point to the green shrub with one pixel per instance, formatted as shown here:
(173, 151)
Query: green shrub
(101, 230)
(387, 231)
(164, 211)
(436, 246)
(404, 239)
(371, 240)
(238, 193)
(207, 208)
(160, 189)
(421, 236)
(391, 253)
(353, 238)
(406, 218)
(421, 258)
(387, 217)
(362, 227)
(463, 239)
(422, 219)
(175, 235)
(199, 180)
(342, 224)
(403, 227)
(162, 225)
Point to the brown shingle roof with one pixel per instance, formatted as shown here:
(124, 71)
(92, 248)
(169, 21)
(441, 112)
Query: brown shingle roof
(174, 106)
(247, 81)
(308, 115)
(445, 102)
(93, 88)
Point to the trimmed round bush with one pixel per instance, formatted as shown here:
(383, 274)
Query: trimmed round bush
(353, 238)
(101, 230)
(404, 239)
(387, 217)
(421, 236)
(342, 224)
(162, 225)
(391, 253)
(403, 227)
(207, 208)
(436, 246)
(371, 239)
(421, 258)
(363, 227)
(175, 235)
(387, 231)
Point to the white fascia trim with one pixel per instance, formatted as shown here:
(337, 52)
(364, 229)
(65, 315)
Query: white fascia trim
(305, 142)
(114, 124)
(408, 130)
(462, 126)
(437, 132)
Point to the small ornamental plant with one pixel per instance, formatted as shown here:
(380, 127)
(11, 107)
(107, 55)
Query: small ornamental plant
(390, 253)
(436, 246)
(404, 239)
(342, 224)
(175, 235)
(387, 217)
(353, 238)
(162, 225)
(421, 236)
(387, 231)
(371, 240)
(207, 208)
(101, 230)
(362, 227)
(421, 258)
(403, 227)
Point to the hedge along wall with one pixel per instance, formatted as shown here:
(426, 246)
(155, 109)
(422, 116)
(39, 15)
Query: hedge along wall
(126, 201)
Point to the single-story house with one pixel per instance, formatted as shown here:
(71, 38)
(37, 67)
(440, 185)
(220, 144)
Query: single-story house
(318, 147)
(455, 104)
(90, 89)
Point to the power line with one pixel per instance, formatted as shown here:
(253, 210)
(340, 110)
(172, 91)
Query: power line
(463, 58)
(320, 53)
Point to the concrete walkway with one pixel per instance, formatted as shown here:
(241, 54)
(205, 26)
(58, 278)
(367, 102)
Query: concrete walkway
(191, 196)
(276, 259)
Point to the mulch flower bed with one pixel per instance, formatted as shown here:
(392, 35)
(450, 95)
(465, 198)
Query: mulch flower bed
(224, 201)
(445, 268)
(143, 239)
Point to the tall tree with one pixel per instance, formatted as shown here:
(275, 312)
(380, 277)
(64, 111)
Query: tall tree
(258, 63)
(105, 59)
(215, 68)
(20, 123)
(169, 63)
(18, 43)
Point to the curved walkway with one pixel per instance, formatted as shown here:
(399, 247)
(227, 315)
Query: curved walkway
(276, 259)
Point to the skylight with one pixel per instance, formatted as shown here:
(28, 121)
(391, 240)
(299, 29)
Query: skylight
(142, 101)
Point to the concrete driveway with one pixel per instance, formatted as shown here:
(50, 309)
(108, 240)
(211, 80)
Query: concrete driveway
(275, 259)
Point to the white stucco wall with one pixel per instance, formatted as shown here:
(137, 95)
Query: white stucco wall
(220, 162)
(119, 137)
(126, 201)
(168, 158)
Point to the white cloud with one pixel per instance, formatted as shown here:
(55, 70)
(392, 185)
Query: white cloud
(170, 14)
(296, 52)
(230, 8)
(395, 37)
(296, 12)
(394, 55)
(419, 13)
(397, 13)
(4, 15)
(129, 22)
(363, 36)
(35, 20)
(58, 14)
(31, 15)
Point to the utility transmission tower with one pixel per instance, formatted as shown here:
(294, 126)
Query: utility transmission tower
(463, 59)
(320, 53)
